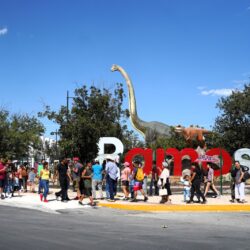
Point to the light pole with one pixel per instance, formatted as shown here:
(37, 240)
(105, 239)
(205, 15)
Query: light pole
(67, 103)
(56, 133)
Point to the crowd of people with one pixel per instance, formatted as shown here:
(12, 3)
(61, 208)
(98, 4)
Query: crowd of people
(94, 178)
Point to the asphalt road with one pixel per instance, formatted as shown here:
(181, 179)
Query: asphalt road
(103, 228)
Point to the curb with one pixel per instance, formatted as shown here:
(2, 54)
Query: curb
(178, 208)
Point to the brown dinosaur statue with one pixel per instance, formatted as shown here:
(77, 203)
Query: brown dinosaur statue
(192, 133)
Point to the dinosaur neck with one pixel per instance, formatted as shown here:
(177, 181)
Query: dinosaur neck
(136, 122)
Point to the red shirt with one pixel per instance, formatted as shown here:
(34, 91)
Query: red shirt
(2, 171)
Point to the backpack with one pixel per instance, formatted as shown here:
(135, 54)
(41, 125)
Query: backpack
(139, 176)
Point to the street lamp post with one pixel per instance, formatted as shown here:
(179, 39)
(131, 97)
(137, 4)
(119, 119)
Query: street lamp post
(67, 104)
(56, 133)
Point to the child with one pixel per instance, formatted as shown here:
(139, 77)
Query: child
(16, 185)
(131, 186)
(186, 188)
(31, 180)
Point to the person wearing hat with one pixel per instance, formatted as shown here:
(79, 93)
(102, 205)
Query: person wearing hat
(195, 181)
(126, 172)
(164, 183)
(138, 177)
(111, 176)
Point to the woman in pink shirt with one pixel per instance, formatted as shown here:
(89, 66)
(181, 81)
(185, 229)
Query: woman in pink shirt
(126, 172)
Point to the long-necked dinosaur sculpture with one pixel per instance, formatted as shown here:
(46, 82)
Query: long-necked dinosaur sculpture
(150, 130)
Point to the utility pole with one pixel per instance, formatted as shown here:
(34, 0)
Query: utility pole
(56, 133)
(67, 105)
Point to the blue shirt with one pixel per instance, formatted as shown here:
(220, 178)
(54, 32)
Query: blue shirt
(97, 172)
(111, 170)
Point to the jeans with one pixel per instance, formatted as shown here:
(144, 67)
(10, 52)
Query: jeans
(186, 193)
(145, 185)
(232, 187)
(45, 185)
(107, 189)
(111, 184)
(153, 183)
(131, 188)
(8, 186)
(20, 183)
(98, 184)
(25, 183)
(40, 188)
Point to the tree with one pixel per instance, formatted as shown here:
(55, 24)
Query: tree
(18, 133)
(233, 125)
(95, 113)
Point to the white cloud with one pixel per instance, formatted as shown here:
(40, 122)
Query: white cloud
(201, 87)
(3, 31)
(240, 82)
(218, 92)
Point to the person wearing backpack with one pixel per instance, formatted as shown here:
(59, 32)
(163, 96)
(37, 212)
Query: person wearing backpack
(195, 181)
(138, 177)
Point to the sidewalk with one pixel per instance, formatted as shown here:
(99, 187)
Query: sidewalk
(222, 204)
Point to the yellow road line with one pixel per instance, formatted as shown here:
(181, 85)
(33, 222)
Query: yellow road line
(179, 208)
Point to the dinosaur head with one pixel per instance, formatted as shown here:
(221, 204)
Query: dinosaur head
(114, 67)
(178, 129)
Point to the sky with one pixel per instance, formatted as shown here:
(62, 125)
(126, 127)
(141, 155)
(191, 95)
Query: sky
(182, 56)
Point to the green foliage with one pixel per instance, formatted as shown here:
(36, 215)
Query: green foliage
(94, 113)
(233, 125)
(18, 133)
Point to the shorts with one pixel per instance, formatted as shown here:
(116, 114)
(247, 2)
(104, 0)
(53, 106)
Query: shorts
(2, 183)
(87, 192)
(125, 183)
(137, 186)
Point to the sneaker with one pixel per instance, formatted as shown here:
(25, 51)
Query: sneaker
(145, 198)
(2, 197)
(190, 202)
(133, 200)
(232, 201)
(57, 197)
(65, 201)
(80, 202)
(240, 201)
(45, 200)
(41, 197)
(110, 200)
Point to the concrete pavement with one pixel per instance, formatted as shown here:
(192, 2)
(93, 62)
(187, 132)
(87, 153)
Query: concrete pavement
(221, 204)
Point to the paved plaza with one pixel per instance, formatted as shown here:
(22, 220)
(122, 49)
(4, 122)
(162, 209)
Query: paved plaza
(222, 203)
